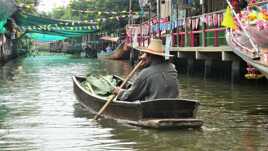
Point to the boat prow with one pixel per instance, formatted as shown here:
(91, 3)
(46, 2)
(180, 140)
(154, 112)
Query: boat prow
(159, 114)
(242, 47)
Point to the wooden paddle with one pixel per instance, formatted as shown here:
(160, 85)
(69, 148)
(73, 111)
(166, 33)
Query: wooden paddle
(115, 96)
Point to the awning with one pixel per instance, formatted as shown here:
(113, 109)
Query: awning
(46, 29)
(44, 37)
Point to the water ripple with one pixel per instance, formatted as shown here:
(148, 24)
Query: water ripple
(38, 111)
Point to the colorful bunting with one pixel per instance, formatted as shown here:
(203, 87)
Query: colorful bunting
(211, 20)
(104, 12)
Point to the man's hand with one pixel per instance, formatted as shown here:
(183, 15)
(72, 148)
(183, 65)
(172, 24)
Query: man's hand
(116, 90)
(144, 59)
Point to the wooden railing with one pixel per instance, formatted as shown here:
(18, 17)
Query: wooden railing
(203, 30)
(259, 3)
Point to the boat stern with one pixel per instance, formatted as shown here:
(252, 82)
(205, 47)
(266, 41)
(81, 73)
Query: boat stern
(170, 123)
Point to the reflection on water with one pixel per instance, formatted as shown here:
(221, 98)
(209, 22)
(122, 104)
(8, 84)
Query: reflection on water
(38, 111)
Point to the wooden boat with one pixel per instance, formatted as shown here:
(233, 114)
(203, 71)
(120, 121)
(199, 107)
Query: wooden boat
(160, 114)
(105, 55)
(242, 47)
(259, 36)
(120, 53)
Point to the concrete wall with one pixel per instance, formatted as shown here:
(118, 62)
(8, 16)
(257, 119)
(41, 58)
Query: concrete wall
(210, 61)
(210, 6)
(165, 8)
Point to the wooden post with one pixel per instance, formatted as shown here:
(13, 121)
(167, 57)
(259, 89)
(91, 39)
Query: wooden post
(181, 38)
(207, 68)
(177, 29)
(149, 24)
(185, 29)
(140, 37)
(131, 54)
(216, 39)
(130, 12)
(158, 17)
(192, 38)
(235, 75)
(203, 24)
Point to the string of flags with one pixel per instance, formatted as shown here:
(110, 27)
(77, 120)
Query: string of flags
(91, 21)
(210, 20)
(52, 28)
(102, 19)
(70, 24)
(104, 12)
(113, 16)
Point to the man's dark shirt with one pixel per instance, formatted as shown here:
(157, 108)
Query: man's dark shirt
(154, 82)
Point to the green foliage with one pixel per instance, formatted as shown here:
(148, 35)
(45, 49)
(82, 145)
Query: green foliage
(23, 44)
(101, 85)
(73, 12)
(28, 6)
(7, 8)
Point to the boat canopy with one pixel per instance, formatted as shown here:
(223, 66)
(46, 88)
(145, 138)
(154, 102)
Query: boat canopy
(46, 29)
(44, 37)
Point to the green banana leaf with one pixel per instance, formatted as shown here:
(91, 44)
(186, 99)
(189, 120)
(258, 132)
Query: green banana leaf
(101, 85)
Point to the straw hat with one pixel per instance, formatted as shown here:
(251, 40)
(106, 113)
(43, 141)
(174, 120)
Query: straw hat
(264, 50)
(155, 47)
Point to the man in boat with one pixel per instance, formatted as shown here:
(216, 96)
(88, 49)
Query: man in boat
(108, 49)
(157, 79)
(90, 52)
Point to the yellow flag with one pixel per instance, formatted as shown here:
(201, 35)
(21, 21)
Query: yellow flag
(228, 20)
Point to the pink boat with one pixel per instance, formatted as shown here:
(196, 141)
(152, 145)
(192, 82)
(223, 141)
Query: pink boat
(242, 47)
(251, 43)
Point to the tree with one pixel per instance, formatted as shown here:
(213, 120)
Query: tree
(28, 5)
(75, 12)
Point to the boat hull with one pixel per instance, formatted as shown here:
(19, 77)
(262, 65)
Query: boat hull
(241, 47)
(161, 113)
(259, 36)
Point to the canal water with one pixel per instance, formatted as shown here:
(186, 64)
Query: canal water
(39, 112)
